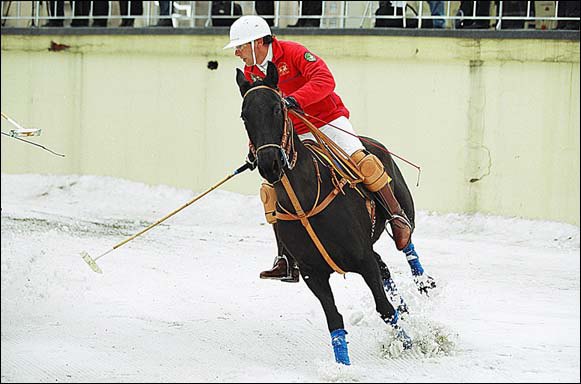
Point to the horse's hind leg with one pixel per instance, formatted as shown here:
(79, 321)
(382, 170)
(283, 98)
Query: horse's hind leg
(319, 285)
(371, 274)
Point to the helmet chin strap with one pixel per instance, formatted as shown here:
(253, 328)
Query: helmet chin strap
(253, 53)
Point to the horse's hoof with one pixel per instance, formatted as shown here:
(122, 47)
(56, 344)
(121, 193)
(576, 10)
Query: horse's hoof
(424, 283)
(402, 336)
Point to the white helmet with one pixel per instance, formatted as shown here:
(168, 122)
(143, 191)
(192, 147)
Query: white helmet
(247, 29)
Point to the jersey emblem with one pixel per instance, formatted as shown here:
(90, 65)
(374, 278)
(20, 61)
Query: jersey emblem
(283, 69)
(310, 57)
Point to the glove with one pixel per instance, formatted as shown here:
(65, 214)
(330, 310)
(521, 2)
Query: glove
(251, 161)
(292, 103)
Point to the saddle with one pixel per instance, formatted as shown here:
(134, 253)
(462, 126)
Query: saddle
(343, 173)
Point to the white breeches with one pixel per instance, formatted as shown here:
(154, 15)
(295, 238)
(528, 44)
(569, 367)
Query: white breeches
(347, 142)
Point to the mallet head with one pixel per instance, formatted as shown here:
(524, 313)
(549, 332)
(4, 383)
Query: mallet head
(92, 263)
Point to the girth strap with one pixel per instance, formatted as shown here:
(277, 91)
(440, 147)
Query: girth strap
(300, 214)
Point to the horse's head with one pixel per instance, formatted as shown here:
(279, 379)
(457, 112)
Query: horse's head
(265, 118)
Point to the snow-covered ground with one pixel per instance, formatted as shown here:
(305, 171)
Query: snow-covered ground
(183, 302)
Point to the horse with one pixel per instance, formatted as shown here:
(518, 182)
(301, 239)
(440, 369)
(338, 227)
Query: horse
(343, 232)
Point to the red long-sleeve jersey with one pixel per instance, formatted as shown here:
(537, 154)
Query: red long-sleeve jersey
(304, 76)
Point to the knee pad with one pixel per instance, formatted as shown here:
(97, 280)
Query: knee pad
(268, 197)
(374, 175)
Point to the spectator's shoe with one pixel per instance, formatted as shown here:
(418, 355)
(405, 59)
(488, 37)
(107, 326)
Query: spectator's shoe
(164, 23)
(127, 23)
(99, 23)
(282, 271)
(394, 297)
(79, 23)
(478, 24)
(54, 23)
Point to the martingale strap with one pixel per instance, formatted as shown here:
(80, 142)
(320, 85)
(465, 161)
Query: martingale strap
(302, 216)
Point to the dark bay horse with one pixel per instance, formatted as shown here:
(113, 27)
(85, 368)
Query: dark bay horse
(343, 228)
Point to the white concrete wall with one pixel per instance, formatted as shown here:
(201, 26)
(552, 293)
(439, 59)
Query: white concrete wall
(502, 113)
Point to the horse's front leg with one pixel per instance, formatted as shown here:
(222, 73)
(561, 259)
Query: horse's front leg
(319, 285)
(371, 274)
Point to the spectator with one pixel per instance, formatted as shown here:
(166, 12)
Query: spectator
(224, 8)
(568, 9)
(56, 9)
(165, 8)
(390, 8)
(265, 8)
(136, 8)
(512, 9)
(101, 8)
(466, 14)
(80, 9)
(309, 8)
(437, 9)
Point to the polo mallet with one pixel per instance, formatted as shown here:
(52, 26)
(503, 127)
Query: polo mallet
(93, 261)
(21, 132)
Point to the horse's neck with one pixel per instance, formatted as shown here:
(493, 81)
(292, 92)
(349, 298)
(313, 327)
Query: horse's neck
(303, 177)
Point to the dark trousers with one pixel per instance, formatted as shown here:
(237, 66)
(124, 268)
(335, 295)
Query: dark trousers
(136, 9)
(310, 8)
(568, 9)
(265, 8)
(81, 8)
(467, 10)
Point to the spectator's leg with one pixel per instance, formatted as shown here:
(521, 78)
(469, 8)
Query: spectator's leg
(437, 9)
(265, 8)
(81, 8)
(100, 9)
(568, 9)
(136, 9)
(165, 8)
(56, 9)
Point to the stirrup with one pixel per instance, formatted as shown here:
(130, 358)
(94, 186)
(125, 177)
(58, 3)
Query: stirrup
(403, 217)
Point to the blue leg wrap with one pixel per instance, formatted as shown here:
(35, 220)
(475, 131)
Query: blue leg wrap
(394, 297)
(413, 260)
(400, 334)
(340, 346)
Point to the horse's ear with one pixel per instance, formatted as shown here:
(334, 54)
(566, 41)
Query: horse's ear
(243, 84)
(271, 78)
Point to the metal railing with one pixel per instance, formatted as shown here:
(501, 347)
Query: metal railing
(332, 14)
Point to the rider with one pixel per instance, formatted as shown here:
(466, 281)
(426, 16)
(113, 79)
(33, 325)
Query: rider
(308, 85)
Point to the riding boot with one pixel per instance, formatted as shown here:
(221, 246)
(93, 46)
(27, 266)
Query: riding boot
(400, 224)
(282, 270)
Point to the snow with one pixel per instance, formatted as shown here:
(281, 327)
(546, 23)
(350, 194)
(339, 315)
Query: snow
(183, 302)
